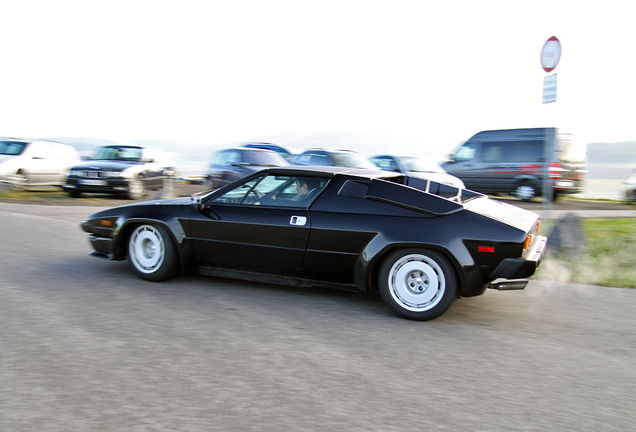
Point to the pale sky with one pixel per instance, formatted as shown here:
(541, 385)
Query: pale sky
(421, 73)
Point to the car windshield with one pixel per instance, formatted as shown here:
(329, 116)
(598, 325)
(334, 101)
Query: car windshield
(421, 165)
(263, 158)
(353, 160)
(116, 153)
(12, 148)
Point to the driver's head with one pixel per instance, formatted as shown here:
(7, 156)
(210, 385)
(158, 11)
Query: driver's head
(305, 185)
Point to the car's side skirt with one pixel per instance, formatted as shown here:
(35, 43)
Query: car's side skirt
(272, 279)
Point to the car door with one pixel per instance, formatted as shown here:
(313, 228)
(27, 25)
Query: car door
(41, 165)
(235, 229)
(153, 172)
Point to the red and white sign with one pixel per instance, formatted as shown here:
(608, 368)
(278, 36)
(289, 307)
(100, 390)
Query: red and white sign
(550, 54)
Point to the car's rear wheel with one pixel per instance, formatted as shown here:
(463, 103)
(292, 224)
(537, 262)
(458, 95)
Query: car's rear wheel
(152, 253)
(417, 284)
(525, 191)
(75, 194)
(136, 188)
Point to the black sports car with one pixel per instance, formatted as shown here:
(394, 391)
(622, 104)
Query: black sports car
(421, 243)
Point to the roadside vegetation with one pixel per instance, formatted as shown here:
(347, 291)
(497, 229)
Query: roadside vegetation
(609, 258)
(52, 196)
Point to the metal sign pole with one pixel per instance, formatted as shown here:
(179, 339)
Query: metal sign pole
(550, 56)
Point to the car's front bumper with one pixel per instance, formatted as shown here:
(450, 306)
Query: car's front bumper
(519, 268)
(103, 246)
(111, 185)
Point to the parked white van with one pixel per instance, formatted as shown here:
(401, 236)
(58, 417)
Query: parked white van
(25, 162)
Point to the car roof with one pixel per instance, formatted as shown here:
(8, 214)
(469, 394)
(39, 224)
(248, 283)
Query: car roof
(31, 140)
(128, 146)
(328, 171)
(247, 149)
(330, 151)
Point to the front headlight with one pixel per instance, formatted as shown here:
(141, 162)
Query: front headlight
(122, 174)
(75, 173)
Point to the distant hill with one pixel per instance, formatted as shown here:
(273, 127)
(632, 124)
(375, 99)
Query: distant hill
(611, 160)
(621, 152)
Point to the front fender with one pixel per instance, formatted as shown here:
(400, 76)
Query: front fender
(174, 227)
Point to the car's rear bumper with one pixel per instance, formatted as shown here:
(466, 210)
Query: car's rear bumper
(518, 268)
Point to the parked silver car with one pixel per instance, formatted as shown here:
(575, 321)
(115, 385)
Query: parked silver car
(629, 188)
(416, 167)
(25, 162)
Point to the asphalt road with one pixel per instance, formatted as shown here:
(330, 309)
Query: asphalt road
(85, 345)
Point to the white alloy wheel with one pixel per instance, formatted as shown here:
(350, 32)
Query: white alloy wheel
(417, 284)
(147, 249)
(136, 189)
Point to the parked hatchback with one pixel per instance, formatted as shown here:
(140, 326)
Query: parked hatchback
(26, 162)
(121, 169)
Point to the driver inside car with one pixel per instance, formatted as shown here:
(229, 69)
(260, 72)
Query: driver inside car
(306, 188)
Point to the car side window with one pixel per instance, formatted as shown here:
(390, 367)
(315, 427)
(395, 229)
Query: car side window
(385, 163)
(237, 194)
(275, 191)
(492, 152)
(465, 153)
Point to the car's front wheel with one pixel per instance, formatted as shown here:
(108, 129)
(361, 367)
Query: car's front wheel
(18, 181)
(417, 284)
(136, 188)
(152, 253)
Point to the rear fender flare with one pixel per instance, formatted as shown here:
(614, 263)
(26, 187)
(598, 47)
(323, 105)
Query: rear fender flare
(372, 257)
(526, 177)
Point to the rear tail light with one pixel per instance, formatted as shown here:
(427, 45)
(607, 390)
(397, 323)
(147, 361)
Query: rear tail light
(555, 171)
(530, 237)
(527, 243)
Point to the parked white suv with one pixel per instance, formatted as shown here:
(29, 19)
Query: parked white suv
(26, 162)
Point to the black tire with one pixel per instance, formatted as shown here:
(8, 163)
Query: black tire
(418, 284)
(75, 194)
(525, 191)
(136, 188)
(152, 253)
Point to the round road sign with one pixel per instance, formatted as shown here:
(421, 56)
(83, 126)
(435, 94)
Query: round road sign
(550, 54)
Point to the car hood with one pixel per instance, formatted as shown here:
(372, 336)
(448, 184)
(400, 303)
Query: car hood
(105, 165)
(160, 202)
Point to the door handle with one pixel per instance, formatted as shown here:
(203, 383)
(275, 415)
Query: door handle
(298, 220)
